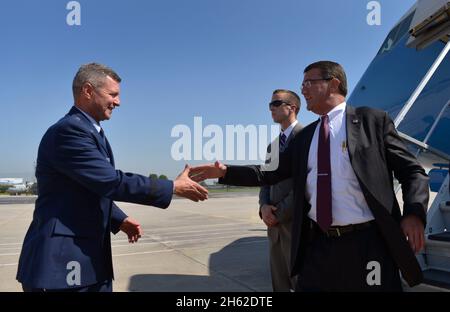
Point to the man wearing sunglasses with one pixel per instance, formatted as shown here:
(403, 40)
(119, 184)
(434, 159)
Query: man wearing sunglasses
(348, 231)
(277, 201)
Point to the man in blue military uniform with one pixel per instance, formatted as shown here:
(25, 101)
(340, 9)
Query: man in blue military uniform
(68, 244)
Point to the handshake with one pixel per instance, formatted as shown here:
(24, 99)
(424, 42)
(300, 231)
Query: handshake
(186, 184)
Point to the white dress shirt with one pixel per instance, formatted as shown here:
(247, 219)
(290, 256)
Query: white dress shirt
(348, 203)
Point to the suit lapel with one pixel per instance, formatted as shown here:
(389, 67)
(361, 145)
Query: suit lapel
(289, 138)
(294, 132)
(305, 146)
(300, 165)
(103, 144)
(353, 127)
(364, 163)
(309, 133)
(110, 153)
(354, 142)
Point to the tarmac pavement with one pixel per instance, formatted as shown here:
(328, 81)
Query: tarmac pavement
(214, 246)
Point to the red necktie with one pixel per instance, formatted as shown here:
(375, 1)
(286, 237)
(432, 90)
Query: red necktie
(323, 203)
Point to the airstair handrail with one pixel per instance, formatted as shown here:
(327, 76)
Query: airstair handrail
(425, 146)
(436, 121)
(405, 109)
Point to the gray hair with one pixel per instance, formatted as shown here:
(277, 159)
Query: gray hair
(93, 73)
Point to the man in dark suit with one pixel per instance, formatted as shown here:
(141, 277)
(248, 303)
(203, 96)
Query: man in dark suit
(277, 201)
(68, 246)
(348, 231)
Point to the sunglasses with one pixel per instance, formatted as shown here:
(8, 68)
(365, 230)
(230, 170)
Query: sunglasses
(278, 103)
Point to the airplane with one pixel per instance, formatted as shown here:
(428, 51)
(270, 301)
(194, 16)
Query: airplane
(16, 185)
(410, 79)
(17, 189)
(11, 181)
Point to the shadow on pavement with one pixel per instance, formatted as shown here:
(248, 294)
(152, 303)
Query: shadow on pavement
(242, 265)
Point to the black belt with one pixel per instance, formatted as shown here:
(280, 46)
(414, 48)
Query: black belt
(338, 231)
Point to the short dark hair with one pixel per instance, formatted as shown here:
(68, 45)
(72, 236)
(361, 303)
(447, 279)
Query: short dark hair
(93, 73)
(294, 99)
(330, 69)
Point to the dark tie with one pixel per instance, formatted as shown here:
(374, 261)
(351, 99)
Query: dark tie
(102, 134)
(108, 147)
(323, 191)
(282, 141)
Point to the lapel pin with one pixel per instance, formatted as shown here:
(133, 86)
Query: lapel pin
(355, 121)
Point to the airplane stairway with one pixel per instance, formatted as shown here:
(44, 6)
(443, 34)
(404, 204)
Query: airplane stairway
(436, 256)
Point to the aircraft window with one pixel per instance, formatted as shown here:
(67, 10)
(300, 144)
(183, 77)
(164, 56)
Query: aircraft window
(396, 34)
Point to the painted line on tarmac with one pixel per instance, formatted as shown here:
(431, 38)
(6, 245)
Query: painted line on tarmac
(177, 250)
(8, 244)
(148, 235)
(202, 225)
(190, 234)
(203, 239)
(155, 251)
(8, 264)
(187, 239)
(143, 252)
(242, 228)
(10, 248)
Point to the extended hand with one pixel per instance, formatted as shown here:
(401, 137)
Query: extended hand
(185, 187)
(412, 227)
(268, 216)
(132, 228)
(209, 171)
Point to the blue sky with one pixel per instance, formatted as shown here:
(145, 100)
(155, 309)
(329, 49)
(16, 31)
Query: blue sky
(218, 59)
